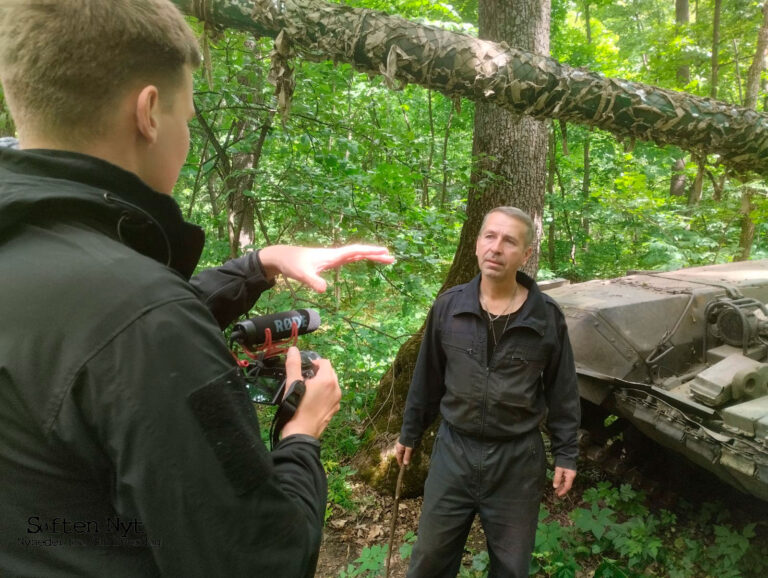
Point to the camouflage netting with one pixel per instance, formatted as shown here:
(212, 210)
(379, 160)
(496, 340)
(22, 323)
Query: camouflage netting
(461, 66)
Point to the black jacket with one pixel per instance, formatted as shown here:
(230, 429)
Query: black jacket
(531, 373)
(128, 445)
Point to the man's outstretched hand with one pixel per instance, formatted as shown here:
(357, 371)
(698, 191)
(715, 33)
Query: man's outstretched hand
(304, 263)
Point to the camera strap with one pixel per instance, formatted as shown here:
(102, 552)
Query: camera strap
(286, 409)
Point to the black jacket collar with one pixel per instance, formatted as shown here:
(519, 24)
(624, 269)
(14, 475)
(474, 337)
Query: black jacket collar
(532, 314)
(48, 182)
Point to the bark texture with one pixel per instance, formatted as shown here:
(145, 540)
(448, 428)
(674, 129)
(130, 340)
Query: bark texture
(758, 63)
(517, 80)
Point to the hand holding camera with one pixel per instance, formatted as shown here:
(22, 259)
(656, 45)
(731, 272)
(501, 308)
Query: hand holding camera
(320, 401)
(303, 385)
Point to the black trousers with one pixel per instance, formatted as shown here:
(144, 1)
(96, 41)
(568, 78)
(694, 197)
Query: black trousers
(502, 481)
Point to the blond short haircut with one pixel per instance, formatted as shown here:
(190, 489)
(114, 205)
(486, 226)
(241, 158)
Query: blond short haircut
(514, 213)
(65, 63)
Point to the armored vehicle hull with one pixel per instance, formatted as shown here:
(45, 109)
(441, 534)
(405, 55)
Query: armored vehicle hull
(682, 356)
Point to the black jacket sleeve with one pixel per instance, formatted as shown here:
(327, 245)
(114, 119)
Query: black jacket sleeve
(231, 290)
(182, 448)
(562, 397)
(427, 386)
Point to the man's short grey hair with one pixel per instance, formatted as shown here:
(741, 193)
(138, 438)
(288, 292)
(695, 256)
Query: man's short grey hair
(515, 213)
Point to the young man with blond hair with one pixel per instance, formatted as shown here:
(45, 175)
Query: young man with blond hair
(128, 443)
(495, 363)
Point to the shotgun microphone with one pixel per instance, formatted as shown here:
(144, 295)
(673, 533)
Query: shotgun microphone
(256, 331)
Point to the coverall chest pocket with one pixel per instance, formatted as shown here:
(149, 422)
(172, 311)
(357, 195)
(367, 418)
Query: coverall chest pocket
(520, 372)
(461, 343)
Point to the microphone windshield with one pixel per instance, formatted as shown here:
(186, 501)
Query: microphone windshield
(253, 331)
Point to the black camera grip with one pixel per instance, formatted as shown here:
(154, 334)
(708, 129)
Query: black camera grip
(287, 408)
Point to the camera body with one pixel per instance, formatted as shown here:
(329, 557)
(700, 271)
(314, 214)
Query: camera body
(264, 341)
(267, 380)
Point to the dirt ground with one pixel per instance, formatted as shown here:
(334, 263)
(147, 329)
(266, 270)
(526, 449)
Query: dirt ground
(347, 533)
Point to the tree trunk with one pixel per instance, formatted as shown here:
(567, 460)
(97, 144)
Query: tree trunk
(678, 182)
(747, 236)
(236, 167)
(697, 187)
(551, 170)
(586, 179)
(715, 49)
(758, 63)
(446, 135)
(510, 169)
(239, 207)
(427, 170)
(585, 204)
(511, 147)
(694, 195)
(682, 19)
(237, 175)
(461, 66)
(736, 60)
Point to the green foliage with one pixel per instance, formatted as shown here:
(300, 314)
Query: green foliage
(479, 566)
(7, 127)
(549, 556)
(632, 220)
(339, 491)
(612, 569)
(414, 9)
(407, 548)
(616, 534)
(372, 561)
(354, 162)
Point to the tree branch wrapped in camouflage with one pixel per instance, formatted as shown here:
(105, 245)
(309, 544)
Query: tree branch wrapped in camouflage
(462, 66)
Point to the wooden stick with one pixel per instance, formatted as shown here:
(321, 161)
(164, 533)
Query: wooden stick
(394, 515)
